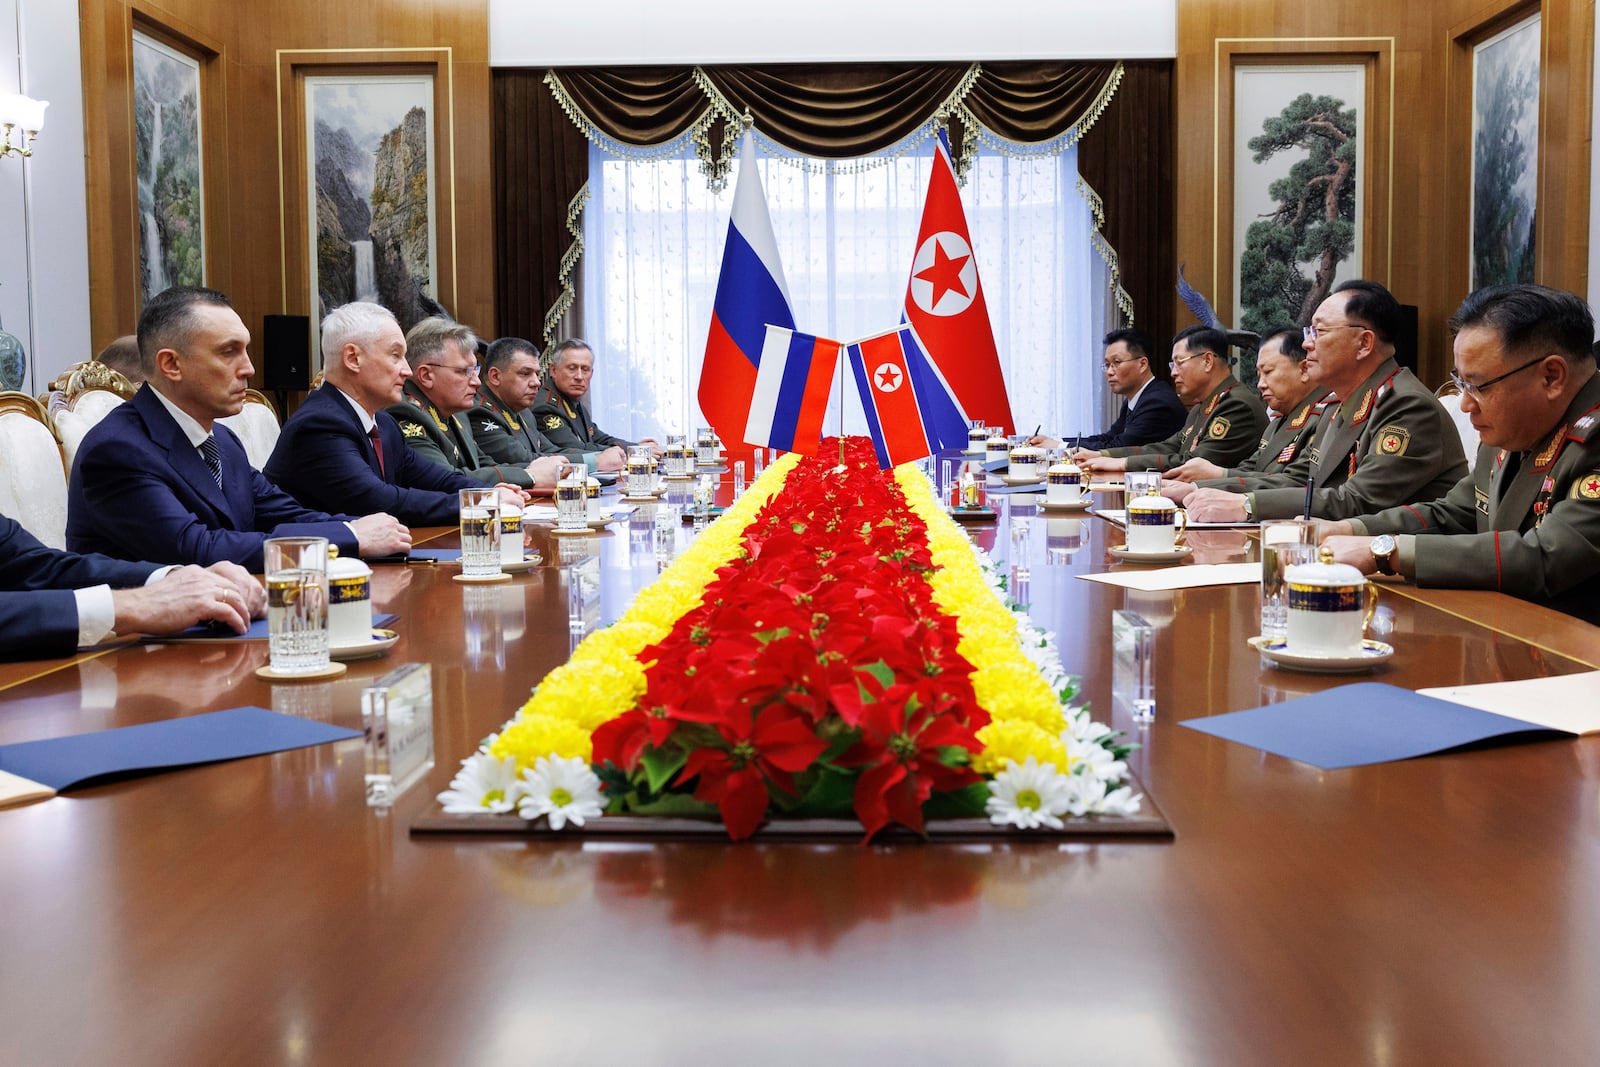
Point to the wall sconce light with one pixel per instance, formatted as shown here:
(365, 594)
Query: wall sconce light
(24, 113)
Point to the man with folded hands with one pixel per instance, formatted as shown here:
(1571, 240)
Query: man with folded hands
(1526, 521)
(503, 423)
(342, 448)
(159, 479)
(53, 603)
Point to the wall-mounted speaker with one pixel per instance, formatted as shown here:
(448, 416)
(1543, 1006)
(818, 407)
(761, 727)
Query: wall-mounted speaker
(1405, 346)
(286, 352)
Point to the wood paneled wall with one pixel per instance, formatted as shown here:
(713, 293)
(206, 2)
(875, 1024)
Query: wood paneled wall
(247, 213)
(1425, 232)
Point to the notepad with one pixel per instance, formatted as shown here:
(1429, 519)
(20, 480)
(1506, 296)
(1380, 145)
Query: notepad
(1189, 577)
(1119, 517)
(1370, 722)
(32, 770)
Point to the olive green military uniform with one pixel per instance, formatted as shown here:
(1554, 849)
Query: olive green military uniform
(567, 424)
(1224, 429)
(447, 441)
(505, 436)
(1390, 443)
(1286, 438)
(1525, 523)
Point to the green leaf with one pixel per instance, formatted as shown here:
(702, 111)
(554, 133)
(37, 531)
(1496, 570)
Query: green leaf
(830, 796)
(880, 670)
(680, 804)
(661, 764)
(961, 804)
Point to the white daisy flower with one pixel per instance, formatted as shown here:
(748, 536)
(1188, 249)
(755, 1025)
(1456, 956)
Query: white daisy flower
(1122, 801)
(1028, 796)
(1093, 760)
(484, 784)
(564, 789)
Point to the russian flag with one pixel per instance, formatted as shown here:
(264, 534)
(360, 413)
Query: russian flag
(751, 294)
(944, 300)
(791, 391)
(911, 410)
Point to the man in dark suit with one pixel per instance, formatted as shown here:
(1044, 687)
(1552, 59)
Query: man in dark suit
(52, 603)
(1153, 410)
(157, 479)
(502, 422)
(342, 449)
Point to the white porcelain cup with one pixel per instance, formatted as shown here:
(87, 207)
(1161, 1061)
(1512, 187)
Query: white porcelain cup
(1330, 606)
(1064, 483)
(1154, 525)
(1025, 462)
(349, 600)
(510, 534)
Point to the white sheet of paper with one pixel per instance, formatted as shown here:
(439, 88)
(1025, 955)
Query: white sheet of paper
(14, 789)
(539, 512)
(1190, 577)
(1568, 702)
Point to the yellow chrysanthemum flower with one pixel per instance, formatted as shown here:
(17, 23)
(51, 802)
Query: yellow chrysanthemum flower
(1017, 740)
(588, 694)
(1018, 692)
(533, 736)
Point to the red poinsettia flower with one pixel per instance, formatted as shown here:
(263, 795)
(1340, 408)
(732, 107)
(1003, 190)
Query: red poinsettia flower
(904, 736)
(765, 749)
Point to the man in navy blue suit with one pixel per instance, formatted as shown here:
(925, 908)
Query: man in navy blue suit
(342, 449)
(1153, 411)
(157, 479)
(52, 602)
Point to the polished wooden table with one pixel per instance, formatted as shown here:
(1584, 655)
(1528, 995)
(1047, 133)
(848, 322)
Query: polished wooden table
(1440, 910)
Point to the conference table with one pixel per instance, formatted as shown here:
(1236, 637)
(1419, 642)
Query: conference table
(1438, 910)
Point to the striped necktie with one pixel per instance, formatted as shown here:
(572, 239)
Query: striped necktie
(213, 458)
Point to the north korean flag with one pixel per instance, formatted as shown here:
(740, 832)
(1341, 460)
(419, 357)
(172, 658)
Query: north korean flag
(910, 409)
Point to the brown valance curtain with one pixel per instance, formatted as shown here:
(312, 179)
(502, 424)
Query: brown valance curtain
(836, 111)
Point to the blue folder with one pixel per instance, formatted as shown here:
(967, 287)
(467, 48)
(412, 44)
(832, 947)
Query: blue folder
(64, 762)
(214, 631)
(1354, 725)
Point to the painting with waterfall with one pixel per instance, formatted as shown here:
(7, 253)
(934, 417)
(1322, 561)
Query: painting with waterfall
(166, 111)
(370, 184)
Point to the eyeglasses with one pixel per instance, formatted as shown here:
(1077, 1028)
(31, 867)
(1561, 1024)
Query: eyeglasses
(1311, 333)
(1179, 361)
(1476, 389)
(1113, 364)
(466, 371)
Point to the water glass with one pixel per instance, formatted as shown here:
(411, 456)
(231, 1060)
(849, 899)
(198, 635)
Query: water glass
(1284, 543)
(480, 531)
(297, 603)
(738, 478)
(572, 503)
(759, 463)
(1142, 483)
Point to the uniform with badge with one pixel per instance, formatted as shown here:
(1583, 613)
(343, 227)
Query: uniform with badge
(567, 424)
(1224, 429)
(1391, 443)
(1286, 438)
(1524, 523)
(505, 436)
(448, 441)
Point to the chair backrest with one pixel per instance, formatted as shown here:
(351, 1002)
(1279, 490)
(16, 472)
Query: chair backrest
(80, 414)
(1450, 397)
(33, 478)
(90, 374)
(257, 427)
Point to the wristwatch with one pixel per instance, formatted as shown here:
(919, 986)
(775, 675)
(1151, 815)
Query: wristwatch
(1383, 549)
(1249, 511)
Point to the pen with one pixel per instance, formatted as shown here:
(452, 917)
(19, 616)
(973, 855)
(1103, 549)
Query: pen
(1310, 484)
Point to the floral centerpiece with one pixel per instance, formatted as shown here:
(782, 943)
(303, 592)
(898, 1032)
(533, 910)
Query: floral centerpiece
(833, 646)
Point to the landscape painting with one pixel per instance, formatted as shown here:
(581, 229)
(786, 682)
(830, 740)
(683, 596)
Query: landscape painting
(370, 175)
(1297, 196)
(1505, 155)
(166, 119)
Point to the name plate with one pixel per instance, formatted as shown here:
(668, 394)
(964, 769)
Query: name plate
(583, 596)
(1133, 649)
(397, 715)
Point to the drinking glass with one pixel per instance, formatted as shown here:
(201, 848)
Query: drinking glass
(297, 603)
(572, 503)
(1284, 543)
(480, 531)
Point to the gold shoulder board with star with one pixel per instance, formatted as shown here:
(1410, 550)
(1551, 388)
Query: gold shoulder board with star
(1587, 487)
(411, 429)
(1394, 440)
(1219, 428)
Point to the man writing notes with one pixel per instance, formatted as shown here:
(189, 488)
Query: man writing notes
(158, 480)
(1225, 418)
(1284, 382)
(444, 384)
(53, 603)
(502, 424)
(341, 446)
(1386, 442)
(1153, 410)
(1526, 521)
(558, 410)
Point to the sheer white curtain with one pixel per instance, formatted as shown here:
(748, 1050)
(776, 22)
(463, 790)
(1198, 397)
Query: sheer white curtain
(653, 238)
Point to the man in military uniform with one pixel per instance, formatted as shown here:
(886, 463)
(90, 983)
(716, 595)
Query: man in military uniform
(1225, 418)
(1387, 442)
(443, 385)
(1286, 388)
(558, 411)
(501, 423)
(1526, 521)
